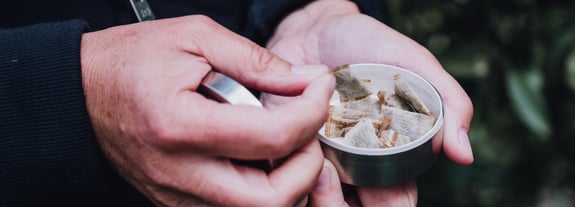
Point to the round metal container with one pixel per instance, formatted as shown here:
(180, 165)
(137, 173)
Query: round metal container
(389, 166)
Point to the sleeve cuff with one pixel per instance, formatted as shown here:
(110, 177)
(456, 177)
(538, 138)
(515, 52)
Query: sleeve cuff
(47, 147)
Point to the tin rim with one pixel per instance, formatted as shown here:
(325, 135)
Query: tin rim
(393, 150)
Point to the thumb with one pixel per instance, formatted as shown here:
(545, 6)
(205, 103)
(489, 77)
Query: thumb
(245, 61)
(458, 115)
(327, 191)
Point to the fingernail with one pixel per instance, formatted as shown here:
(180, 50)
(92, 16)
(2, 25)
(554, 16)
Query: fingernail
(464, 141)
(324, 179)
(309, 70)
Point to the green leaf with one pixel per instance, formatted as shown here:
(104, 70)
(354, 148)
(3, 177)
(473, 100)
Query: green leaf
(524, 88)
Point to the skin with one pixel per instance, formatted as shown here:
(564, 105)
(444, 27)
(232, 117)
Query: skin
(333, 32)
(176, 146)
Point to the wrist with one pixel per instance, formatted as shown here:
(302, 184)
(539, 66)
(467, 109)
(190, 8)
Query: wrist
(314, 13)
(327, 8)
(85, 50)
(91, 59)
(301, 30)
(87, 67)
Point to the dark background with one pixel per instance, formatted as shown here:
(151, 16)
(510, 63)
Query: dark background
(516, 60)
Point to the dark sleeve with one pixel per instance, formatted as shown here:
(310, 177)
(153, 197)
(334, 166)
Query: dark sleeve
(48, 153)
(371, 8)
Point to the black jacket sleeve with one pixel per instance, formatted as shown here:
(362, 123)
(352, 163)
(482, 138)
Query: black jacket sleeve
(48, 153)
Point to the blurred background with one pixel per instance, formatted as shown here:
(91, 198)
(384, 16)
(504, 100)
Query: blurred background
(516, 60)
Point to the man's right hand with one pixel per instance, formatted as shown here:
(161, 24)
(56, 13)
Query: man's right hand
(175, 145)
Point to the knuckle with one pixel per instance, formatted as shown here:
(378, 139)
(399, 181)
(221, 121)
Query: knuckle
(280, 145)
(194, 25)
(163, 131)
(264, 58)
(202, 23)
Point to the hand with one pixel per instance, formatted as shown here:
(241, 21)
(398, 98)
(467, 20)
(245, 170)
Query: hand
(334, 33)
(176, 146)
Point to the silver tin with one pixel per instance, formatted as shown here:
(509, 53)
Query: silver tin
(391, 166)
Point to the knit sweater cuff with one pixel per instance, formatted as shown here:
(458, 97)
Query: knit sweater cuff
(46, 140)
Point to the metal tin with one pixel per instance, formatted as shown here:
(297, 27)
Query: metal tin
(390, 166)
(226, 90)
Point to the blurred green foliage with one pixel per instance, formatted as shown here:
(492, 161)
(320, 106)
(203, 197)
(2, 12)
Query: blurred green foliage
(516, 60)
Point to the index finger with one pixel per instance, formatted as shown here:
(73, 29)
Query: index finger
(243, 60)
(249, 132)
(256, 133)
